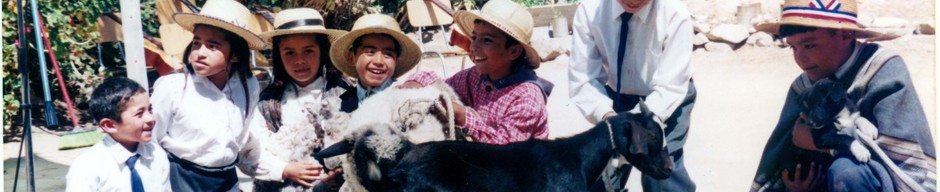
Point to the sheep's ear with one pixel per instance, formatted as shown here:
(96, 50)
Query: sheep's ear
(342, 147)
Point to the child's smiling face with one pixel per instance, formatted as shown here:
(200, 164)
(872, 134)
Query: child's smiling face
(375, 59)
(135, 123)
(489, 51)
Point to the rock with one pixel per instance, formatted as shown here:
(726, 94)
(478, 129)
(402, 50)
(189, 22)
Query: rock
(747, 11)
(892, 27)
(549, 49)
(889, 22)
(925, 28)
(760, 39)
(718, 47)
(699, 39)
(701, 26)
(762, 18)
(730, 33)
(893, 33)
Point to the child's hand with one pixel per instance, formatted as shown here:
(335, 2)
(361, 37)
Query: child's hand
(804, 182)
(303, 173)
(334, 178)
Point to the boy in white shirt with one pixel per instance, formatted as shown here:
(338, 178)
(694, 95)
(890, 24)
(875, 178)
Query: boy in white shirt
(629, 51)
(125, 160)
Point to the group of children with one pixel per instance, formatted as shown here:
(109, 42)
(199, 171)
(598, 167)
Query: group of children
(201, 123)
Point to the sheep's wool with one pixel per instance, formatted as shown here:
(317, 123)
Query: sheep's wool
(297, 143)
(420, 115)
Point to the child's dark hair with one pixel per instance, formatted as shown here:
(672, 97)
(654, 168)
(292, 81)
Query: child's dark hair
(238, 47)
(109, 98)
(358, 42)
(788, 30)
(521, 60)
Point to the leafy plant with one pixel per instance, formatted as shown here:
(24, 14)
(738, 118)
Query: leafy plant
(72, 35)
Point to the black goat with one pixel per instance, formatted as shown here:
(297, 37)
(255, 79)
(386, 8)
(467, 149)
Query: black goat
(832, 114)
(565, 164)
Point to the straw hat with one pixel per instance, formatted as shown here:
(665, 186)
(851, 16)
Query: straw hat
(376, 24)
(509, 17)
(225, 14)
(300, 20)
(831, 14)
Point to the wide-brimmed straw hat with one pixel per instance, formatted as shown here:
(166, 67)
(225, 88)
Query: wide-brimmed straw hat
(376, 24)
(300, 21)
(507, 16)
(832, 14)
(225, 14)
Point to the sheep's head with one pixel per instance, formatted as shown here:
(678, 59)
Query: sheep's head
(641, 142)
(375, 151)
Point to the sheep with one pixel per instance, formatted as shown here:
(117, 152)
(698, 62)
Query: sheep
(297, 143)
(565, 164)
(420, 115)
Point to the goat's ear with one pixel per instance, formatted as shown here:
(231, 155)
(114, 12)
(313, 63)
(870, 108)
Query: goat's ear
(342, 147)
(638, 140)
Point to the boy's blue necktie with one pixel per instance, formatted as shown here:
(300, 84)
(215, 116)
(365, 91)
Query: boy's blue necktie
(136, 184)
(624, 30)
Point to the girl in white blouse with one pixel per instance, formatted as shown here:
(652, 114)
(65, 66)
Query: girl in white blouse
(303, 74)
(202, 112)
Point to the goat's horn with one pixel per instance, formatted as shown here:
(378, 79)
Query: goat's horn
(342, 147)
(643, 108)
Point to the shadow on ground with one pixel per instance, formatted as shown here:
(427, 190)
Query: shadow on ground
(50, 176)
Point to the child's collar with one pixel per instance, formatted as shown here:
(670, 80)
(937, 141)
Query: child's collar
(362, 92)
(120, 154)
(847, 65)
(520, 75)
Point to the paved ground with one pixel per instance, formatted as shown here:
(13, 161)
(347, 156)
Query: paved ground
(740, 96)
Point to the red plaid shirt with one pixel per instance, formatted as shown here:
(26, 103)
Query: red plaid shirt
(499, 116)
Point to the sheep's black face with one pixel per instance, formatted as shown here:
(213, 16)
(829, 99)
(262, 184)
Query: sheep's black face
(644, 148)
(375, 151)
(376, 155)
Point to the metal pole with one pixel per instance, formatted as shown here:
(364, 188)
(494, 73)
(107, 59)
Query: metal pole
(25, 105)
(51, 120)
(27, 127)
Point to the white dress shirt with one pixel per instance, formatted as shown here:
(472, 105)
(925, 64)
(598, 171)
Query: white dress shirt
(657, 62)
(103, 168)
(207, 125)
